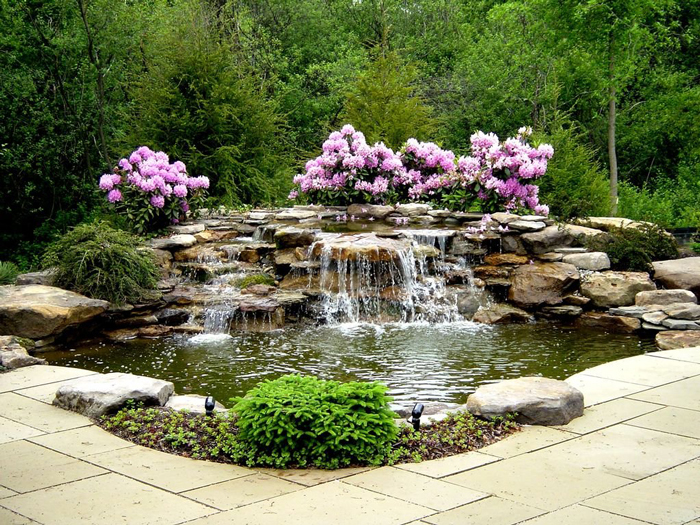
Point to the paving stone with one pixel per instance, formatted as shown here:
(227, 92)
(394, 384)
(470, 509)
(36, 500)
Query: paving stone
(644, 370)
(493, 510)
(25, 467)
(681, 354)
(527, 440)
(110, 499)
(580, 515)
(598, 390)
(411, 487)
(439, 468)
(7, 517)
(38, 375)
(608, 414)
(336, 502)
(533, 480)
(671, 497)
(173, 473)
(624, 451)
(6, 493)
(681, 394)
(677, 421)
(311, 477)
(13, 431)
(80, 442)
(38, 415)
(242, 491)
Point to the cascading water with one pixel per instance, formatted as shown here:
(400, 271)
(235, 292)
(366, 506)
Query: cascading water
(387, 282)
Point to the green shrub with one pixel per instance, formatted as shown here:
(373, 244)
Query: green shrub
(635, 248)
(695, 246)
(303, 421)
(8, 272)
(258, 278)
(100, 262)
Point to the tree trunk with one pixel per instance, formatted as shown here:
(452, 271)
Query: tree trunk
(612, 153)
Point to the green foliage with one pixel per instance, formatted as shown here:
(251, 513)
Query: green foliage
(384, 104)
(306, 421)
(695, 246)
(100, 262)
(8, 272)
(258, 278)
(634, 249)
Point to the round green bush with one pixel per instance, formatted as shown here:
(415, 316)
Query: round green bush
(302, 421)
(103, 263)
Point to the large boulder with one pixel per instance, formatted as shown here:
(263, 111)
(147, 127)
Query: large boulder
(674, 339)
(14, 355)
(609, 289)
(665, 297)
(679, 273)
(610, 323)
(38, 311)
(546, 240)
(536, 400)
(99, 394)
(502, 314)
(542, 283)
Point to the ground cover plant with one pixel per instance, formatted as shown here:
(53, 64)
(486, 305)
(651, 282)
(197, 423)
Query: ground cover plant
(274, 431)
(8, 272)
(495, 177)
(103, 263)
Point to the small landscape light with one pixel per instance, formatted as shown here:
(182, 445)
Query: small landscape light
(416, 413)
(209, 404)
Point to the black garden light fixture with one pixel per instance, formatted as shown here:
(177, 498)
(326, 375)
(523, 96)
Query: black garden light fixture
(209, 405)
(416, 413)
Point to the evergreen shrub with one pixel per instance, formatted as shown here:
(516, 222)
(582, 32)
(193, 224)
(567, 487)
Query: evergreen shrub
(634, 249)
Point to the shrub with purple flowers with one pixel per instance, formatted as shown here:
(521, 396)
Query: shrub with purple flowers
(150, 191)
(496, 176)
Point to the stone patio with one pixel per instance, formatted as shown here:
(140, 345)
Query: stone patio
(633, 458)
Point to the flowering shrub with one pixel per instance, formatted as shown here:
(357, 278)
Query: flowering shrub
(151, 191)
(496, 176)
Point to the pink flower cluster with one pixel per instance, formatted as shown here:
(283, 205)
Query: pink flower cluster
(349, 170)
(148, 176)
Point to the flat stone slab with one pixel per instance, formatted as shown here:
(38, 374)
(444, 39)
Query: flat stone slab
(176, 242)
(588, 261)
(38, 311)
(537, 400)
(96, 395)
(191, 403)
(664, 297)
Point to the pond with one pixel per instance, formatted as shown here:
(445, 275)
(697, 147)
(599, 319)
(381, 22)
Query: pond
(418, 361)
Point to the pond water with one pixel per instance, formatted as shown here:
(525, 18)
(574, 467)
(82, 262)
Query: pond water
(418, 361)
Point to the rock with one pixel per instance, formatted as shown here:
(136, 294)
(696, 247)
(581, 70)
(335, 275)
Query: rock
(261, 215)
(576, 300)
(498, 259)
(550, 257)
(99, 394)
(609, 223)
(631, 311)
(199, 253)
(678, 339)
(536, 400)
(121, 335)
(412, 209)
(665, 297)
(589, 261)
(512, 243)
(546, 240)
(180, 295)
(608, 289)
(192, 403)
(293, 214)
(164, 258)
(207, 236)
(680, 324)
(188, 229)
(542, 283)
(582, 234)
(37, 311)
(687, 311)
(527, 226)
(176, 242)
(679, 273)
(611, 323)
(369, 210)
(492, 272)
(259, 289)
(653, 327)
(44, 277)
(13, 354)
(137, 321)
(172, 316)
(501, 314)
(423, 251)
(367, 247)
(293, 237)
(562, 311)
(654, 317)
(154, 331)
(252, 304)
(568, 250)
(440, 214)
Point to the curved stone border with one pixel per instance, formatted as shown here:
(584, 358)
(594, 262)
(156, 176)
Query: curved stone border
(635, 453)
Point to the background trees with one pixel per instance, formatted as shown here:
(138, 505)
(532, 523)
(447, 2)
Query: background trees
(244, 92)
